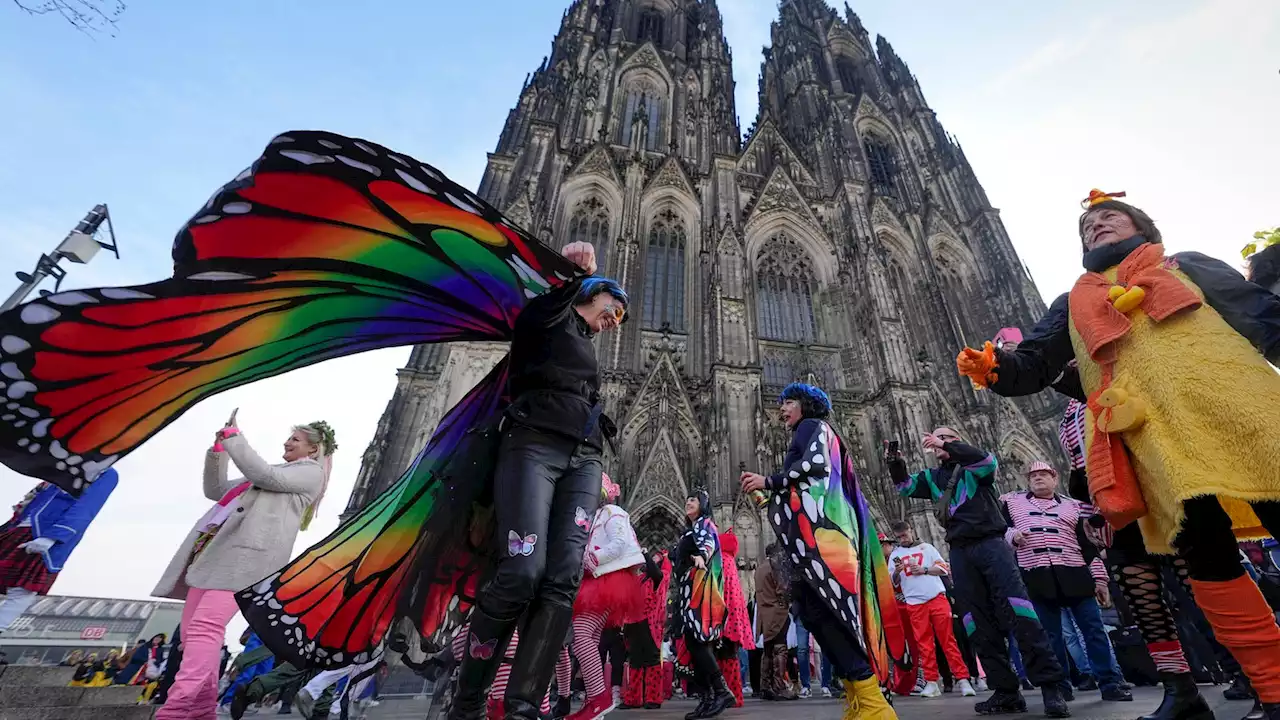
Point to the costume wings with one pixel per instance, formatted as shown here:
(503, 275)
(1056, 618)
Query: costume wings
(825, 522)
(325, 247)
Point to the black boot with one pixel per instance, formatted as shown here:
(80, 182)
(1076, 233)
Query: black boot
(1257, 712)
(718, 698)
(541, 639)
(1272, 711)
(704, 700)
(487, 640)
(1182, 700)
(1240, 688)
(1055, 705)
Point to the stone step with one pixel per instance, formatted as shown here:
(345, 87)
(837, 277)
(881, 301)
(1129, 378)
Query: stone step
(17, 696)
(79, 712)
(35, 676)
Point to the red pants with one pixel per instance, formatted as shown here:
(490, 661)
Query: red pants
(933, 620)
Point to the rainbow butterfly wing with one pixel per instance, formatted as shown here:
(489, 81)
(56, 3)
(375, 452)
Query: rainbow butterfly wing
(333, 604)
(705, 610)
(327, 246)
(825, 523)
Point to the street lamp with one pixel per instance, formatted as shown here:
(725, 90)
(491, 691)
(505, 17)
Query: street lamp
(79, 246)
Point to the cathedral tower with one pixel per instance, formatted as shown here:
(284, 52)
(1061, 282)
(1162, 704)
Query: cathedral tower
(844, 241)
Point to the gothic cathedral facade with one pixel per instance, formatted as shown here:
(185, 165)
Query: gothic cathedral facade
(843, 240)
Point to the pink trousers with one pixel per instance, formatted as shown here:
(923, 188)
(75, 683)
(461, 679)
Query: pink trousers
(194, 695)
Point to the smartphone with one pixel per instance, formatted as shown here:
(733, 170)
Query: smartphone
(231, 421)
(894, 447)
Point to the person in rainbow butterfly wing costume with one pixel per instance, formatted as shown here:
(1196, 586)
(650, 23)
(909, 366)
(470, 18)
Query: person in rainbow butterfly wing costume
(817, 509)
(1172, 354)
(328, 246)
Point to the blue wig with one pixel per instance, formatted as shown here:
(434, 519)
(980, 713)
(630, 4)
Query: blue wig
(813, 400)
(594, 285)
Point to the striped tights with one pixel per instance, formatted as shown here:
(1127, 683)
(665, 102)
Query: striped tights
(586, 647)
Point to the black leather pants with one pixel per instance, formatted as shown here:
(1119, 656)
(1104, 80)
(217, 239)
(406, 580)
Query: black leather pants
(546, 491)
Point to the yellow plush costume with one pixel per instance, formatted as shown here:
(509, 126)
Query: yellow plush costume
(1210, 428)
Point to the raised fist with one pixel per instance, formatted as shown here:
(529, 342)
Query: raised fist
(582, 254)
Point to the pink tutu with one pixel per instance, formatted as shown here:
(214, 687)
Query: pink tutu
(620, 594)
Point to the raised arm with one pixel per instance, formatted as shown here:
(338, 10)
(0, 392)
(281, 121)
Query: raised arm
(919, 486)
(216, 484)
(1039, 361)
(978, 463)
(300, 478)
(811, 458)
(548, 308)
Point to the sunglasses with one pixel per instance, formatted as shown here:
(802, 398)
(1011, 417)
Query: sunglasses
(618, 311)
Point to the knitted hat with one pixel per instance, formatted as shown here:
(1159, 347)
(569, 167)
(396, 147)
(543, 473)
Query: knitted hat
(1041, 465)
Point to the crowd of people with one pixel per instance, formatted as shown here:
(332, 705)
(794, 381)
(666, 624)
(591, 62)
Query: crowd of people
(506, 553)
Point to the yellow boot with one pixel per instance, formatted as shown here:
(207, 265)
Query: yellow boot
(850, 701)
(870, 703)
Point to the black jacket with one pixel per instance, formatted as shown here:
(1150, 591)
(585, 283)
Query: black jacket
(975, 512)
(1040, 361)
(554, 380)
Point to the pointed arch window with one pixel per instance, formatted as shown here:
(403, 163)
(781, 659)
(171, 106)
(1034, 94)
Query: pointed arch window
(664, 273)
(641, 113)
(848, 74)
(590, 223)
(785, 287)
(882, 165)
(650, 27)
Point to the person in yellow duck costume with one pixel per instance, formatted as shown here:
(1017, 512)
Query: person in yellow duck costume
(1172, 354)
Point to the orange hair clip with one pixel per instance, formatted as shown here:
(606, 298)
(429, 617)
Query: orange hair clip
(1096, 197)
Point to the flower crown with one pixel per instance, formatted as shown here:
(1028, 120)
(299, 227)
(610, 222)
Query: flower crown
(327, 438)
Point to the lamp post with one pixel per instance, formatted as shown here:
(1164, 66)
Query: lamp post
(79, 246)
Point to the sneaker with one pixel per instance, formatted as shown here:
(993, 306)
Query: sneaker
(965, 688)
(597, 707)
(931, 690)
(1089, 684)
(747, 691)
(981, 685)
(826, 692)
(805, 693)
(919, 688)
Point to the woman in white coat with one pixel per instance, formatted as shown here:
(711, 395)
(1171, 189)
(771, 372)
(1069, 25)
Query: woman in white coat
(247, 535)
(612, 594)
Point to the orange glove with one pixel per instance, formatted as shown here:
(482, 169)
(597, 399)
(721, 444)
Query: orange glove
(978, 365)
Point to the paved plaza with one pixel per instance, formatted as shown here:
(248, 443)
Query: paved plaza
(1087, 706)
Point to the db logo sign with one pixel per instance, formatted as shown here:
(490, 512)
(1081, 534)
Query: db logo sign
(93, 633)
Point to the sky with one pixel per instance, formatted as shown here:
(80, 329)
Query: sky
(1173, 101)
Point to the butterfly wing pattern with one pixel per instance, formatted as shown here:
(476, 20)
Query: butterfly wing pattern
(326, 246)
(826, 524)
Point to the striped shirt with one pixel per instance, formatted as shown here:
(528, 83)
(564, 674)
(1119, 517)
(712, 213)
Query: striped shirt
(1051, 555)
(1071, 433)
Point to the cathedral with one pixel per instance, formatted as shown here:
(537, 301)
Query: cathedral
(842, 239)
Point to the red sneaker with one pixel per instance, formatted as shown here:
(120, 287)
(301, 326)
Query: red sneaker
(596, 707)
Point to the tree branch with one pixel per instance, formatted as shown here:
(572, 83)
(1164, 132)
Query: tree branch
(87, 16)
